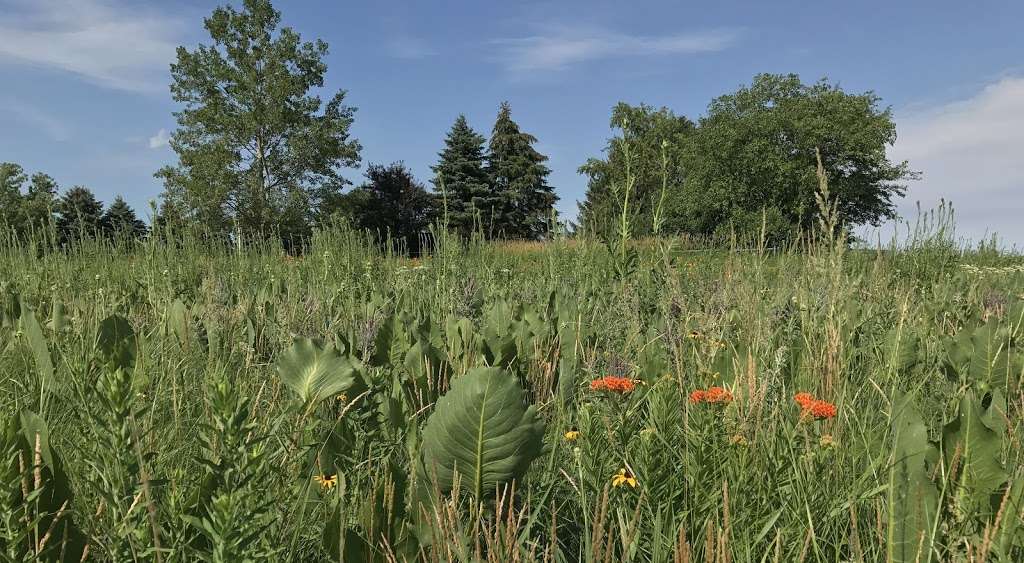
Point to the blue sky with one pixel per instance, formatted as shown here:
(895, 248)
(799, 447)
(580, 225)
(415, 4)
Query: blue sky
(84, 91)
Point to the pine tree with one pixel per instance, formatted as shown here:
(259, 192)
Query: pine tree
(78, 214)
(462, 177)
(519, 177)
(120, 221)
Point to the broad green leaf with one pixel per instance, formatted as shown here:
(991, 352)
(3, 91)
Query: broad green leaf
(483, 431)
(315, 372)
(116, 343)
(977, 448)
(913, 497)
(40, 351)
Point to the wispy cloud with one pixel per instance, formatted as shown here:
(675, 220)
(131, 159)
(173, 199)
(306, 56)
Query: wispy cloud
(114, 45)
(408, 47)
(33, 117)
(557, 48)
(161, 139)
(969, 152)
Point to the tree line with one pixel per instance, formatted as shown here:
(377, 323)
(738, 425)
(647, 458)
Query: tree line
(32, 204)
(260, 153)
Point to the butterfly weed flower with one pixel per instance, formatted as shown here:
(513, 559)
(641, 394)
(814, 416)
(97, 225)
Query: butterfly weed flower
(613, 384)
(822, 410)
(718, 395)
(804, 399)
(697, 396)
(624, 477)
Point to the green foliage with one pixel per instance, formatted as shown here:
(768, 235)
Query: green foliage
(913, 496)
(316, 372)
(119, 221)
(37, 519)
(481, 434)
(79, 215)
(256, 149)
(391, 204)
(461, 177)
(519, 178)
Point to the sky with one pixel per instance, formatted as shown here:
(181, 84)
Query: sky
(84, 83)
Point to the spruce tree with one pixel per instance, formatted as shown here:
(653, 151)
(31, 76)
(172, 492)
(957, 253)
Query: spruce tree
(519, 177)
(78, 214)
(461, 176)
(120, 221)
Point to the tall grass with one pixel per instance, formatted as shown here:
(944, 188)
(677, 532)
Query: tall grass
(195, 449)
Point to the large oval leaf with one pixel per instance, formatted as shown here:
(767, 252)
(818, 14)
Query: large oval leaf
(482, 430)
(315, 372)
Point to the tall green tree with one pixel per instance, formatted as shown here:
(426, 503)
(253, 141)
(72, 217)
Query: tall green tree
(79, 214)
(752, 157)
(650, 141)
(390, 203)
(461, 174)
(39, 201)
(120, 221)
(519, 177)
(12, 178)
(256, 149)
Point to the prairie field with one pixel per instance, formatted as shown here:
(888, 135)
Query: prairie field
(177, 402)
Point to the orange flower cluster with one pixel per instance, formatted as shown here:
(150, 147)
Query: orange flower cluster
(613, 384)
(809, 406)
(711, 395)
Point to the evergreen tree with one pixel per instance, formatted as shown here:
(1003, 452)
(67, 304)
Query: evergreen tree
(391, 202)
(120, 221)
(462, 175)
(256, 148)
(519, 177)
(79, 214)
(12, 178)
(38, 203)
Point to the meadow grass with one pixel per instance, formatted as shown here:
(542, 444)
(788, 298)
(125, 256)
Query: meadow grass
(160, 373)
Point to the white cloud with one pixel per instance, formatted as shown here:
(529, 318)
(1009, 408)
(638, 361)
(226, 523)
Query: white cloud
(116, 46)
(971, 152)
(561, 47)
(161, 139)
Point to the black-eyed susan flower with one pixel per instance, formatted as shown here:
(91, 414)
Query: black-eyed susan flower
(326, 482)
(624, 477)
(572, 434)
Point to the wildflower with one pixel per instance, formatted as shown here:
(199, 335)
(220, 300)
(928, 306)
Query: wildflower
(822, 409)
(827, 441)
(343, 398)
(624, 477)
(694, 335)
(326, 482)
(697, 396)
(572, 435)
(804, 399)
(738, 440)
(718, 395)
(612, 383)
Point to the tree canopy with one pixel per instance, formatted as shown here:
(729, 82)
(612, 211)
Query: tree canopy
(463, 180)
(256, 149)
(752, 159)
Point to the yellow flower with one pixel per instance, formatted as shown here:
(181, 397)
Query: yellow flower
(343, 398)
(327, 482)
(738, 440)
(624, 478)
(827, 441)
(572, 435)
(694, 334)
